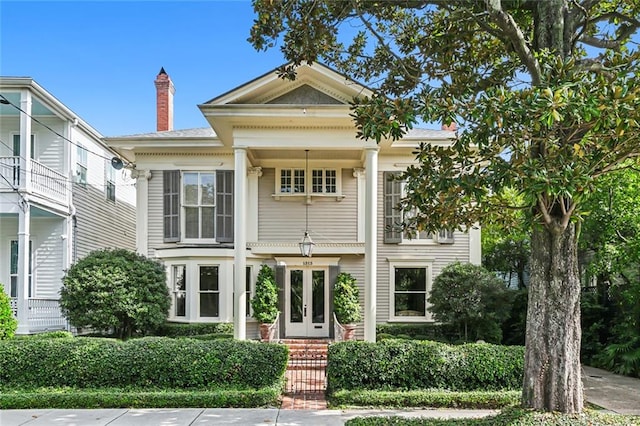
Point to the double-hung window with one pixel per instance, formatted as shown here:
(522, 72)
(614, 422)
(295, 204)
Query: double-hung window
(198, 204)
(410, 287)
(110, 184)
(209, 290)
(81, 166)
(179, 280)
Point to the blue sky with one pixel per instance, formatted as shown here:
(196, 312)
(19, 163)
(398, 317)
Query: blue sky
(100, 58)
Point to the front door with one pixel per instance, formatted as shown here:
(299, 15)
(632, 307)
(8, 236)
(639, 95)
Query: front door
(307, 303)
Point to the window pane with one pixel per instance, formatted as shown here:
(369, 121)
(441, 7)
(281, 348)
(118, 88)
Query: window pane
(316, 181)
(179, 278)
(191, 221)
(410, 304)
(298, 181)
(208, 189)
(208, 222)
(14, 257)
(330, 181)
(248, 289)
(285, 180)
(208, 278)
(318, 297)
(13, 291)
(209, 305)
(411, 279)
(190, 181)
(295, 297)
(181, 304)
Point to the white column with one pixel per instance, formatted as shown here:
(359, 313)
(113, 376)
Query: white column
(25, 141)
(240, 244)
(252, 203)
(370, 244)
(475, 248)
(24, 226)
(142, 210)
(359, 174)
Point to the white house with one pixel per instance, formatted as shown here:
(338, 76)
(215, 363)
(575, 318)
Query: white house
(60, 198)
(279, 160)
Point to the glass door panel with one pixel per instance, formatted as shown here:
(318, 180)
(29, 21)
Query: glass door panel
(296, 294)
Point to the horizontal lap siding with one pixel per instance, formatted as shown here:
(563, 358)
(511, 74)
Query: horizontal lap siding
(329, 220)
(441, 255)
(49, 248)
(155, 213)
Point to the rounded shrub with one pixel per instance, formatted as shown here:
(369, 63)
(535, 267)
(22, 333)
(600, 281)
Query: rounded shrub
(8, 324)
(471, 299)
(345, 299)
(265, 301)
(116, 290)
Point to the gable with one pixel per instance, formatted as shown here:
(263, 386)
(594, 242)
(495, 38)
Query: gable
(305, 94)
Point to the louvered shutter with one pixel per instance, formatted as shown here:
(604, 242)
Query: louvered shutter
(392, 215)
(224, 206)
(171, 205)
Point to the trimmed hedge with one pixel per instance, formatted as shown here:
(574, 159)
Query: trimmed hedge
(425, 331)
(60, 334)
(508, 417)
(118, 398)
(178, 329)
(147, 363)
(424, 398)
(410, 364)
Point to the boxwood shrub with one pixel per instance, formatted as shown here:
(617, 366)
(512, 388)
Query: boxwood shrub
(177, 329)
(146, 363)
(411, 364)
(426, 331)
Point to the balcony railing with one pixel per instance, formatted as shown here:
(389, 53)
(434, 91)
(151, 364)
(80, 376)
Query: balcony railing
(45, 181)
(44, 314)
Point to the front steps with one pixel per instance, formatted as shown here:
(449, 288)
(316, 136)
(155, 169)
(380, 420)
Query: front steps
(307, 365)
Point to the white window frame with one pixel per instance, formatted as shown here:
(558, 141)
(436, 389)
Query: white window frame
(250, 287)
(110, 182)
(14, 276)
(308, 186)
(176, 292)
(82, 169)
(218, 292)
(184, 206)
(404, 263)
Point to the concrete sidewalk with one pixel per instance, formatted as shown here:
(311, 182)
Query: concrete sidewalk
(610, 391)
(212, 416)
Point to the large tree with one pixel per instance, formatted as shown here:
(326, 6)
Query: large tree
(547, 98)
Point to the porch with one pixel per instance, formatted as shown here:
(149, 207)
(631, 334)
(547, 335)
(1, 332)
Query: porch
(42, 180)
(43, 314)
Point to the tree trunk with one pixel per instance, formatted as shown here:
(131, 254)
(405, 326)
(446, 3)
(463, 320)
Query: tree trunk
(552, 380)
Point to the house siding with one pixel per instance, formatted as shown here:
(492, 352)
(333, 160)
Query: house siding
(329, 220)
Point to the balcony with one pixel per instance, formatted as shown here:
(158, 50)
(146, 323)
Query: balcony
(43, 315)
(44, 181)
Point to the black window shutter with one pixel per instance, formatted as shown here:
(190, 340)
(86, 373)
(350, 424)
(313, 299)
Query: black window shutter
(392, 216)
(171, 205)
(224, 206)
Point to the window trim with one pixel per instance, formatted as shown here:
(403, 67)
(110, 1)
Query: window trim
(175, 291)
(110, 182)
(308, 182)
(183, 206)
(218, 292)
(82, 164)
(31, 290)
(409, 263)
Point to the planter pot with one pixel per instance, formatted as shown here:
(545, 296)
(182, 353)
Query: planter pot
(265, 334)
(349, 332)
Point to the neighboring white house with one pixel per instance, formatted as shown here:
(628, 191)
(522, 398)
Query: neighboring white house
(60, 198)
(279, 159)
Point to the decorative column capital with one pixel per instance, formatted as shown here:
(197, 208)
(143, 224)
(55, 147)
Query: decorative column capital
(358, 172)
(254, 171)
(141, 174)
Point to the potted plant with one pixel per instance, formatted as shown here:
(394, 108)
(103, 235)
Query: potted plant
(345, 304)
(265, 301)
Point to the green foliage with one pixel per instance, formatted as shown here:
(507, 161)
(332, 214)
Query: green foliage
(419, 331)
(59, 334)
(413, 365)
(221, 396)
(472, 299)
(514, 327)
(176, 329)
(431, 398)
(8, 324)
(116, 289)
(508, 417)
(147, 363)
(265, 301)
(345, 299)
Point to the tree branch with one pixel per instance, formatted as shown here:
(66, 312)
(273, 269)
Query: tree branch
(511, 30)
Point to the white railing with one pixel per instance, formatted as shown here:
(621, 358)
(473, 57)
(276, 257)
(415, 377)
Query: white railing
(48, 182)
(274, 330)
(338, 330)
(10, 170)
(44, 314)
(44, 180)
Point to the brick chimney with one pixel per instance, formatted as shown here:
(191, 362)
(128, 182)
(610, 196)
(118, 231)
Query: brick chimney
(164, 101)
(451, 127)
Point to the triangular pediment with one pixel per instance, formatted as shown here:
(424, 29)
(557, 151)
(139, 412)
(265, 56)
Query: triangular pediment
(314, 85)
(305, 95)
